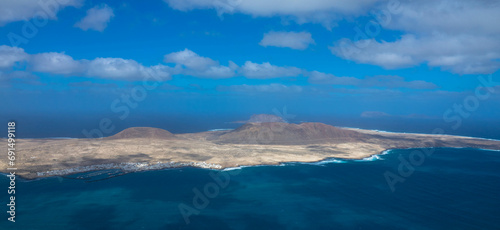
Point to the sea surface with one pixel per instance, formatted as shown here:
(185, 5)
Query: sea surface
(440, 188)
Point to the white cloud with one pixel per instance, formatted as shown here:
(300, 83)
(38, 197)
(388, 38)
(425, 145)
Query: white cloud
(11, 55)
(62, 64)
(319, 11)
(384, 81)
(160, 72)
(449, 34)
(193, 64)
(97, 18)
(316, 77)
(462, 54)
(449, 17)
(188, 63)
(56, 63)
(218, 72)
(459, 36)
(266, 70)
(115, 68)
(189, 59)
(123, 69)
(271, 88)
(20, 10)
(294, 40)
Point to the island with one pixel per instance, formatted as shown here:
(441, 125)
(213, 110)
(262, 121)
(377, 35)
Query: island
(253, 143)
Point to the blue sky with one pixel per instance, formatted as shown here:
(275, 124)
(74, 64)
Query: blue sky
(371, 58)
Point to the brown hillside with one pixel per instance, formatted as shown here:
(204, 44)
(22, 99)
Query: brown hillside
(143, 132)
(289, 134)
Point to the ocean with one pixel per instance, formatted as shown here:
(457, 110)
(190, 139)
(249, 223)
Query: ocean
(441, 188)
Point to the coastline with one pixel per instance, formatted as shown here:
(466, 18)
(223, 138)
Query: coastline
(39, 158)
(127, 167)
(393, 132)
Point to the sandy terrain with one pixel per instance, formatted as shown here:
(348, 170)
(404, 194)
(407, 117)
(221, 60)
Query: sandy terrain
(46, 155)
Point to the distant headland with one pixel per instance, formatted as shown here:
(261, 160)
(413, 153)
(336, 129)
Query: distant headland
(260, 118)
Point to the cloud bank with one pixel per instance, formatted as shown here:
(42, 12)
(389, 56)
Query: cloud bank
(20, 10)
(187, 62)
(457, 36)
(326, 12)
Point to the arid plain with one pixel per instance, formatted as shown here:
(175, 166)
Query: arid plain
(267, 143)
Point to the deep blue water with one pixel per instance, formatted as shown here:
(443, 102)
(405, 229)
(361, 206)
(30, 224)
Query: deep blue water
(450, 189)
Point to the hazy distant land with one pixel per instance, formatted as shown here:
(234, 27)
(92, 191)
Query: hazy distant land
(253, 143)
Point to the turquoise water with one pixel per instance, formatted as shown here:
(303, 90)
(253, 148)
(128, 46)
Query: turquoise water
(450, 189)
